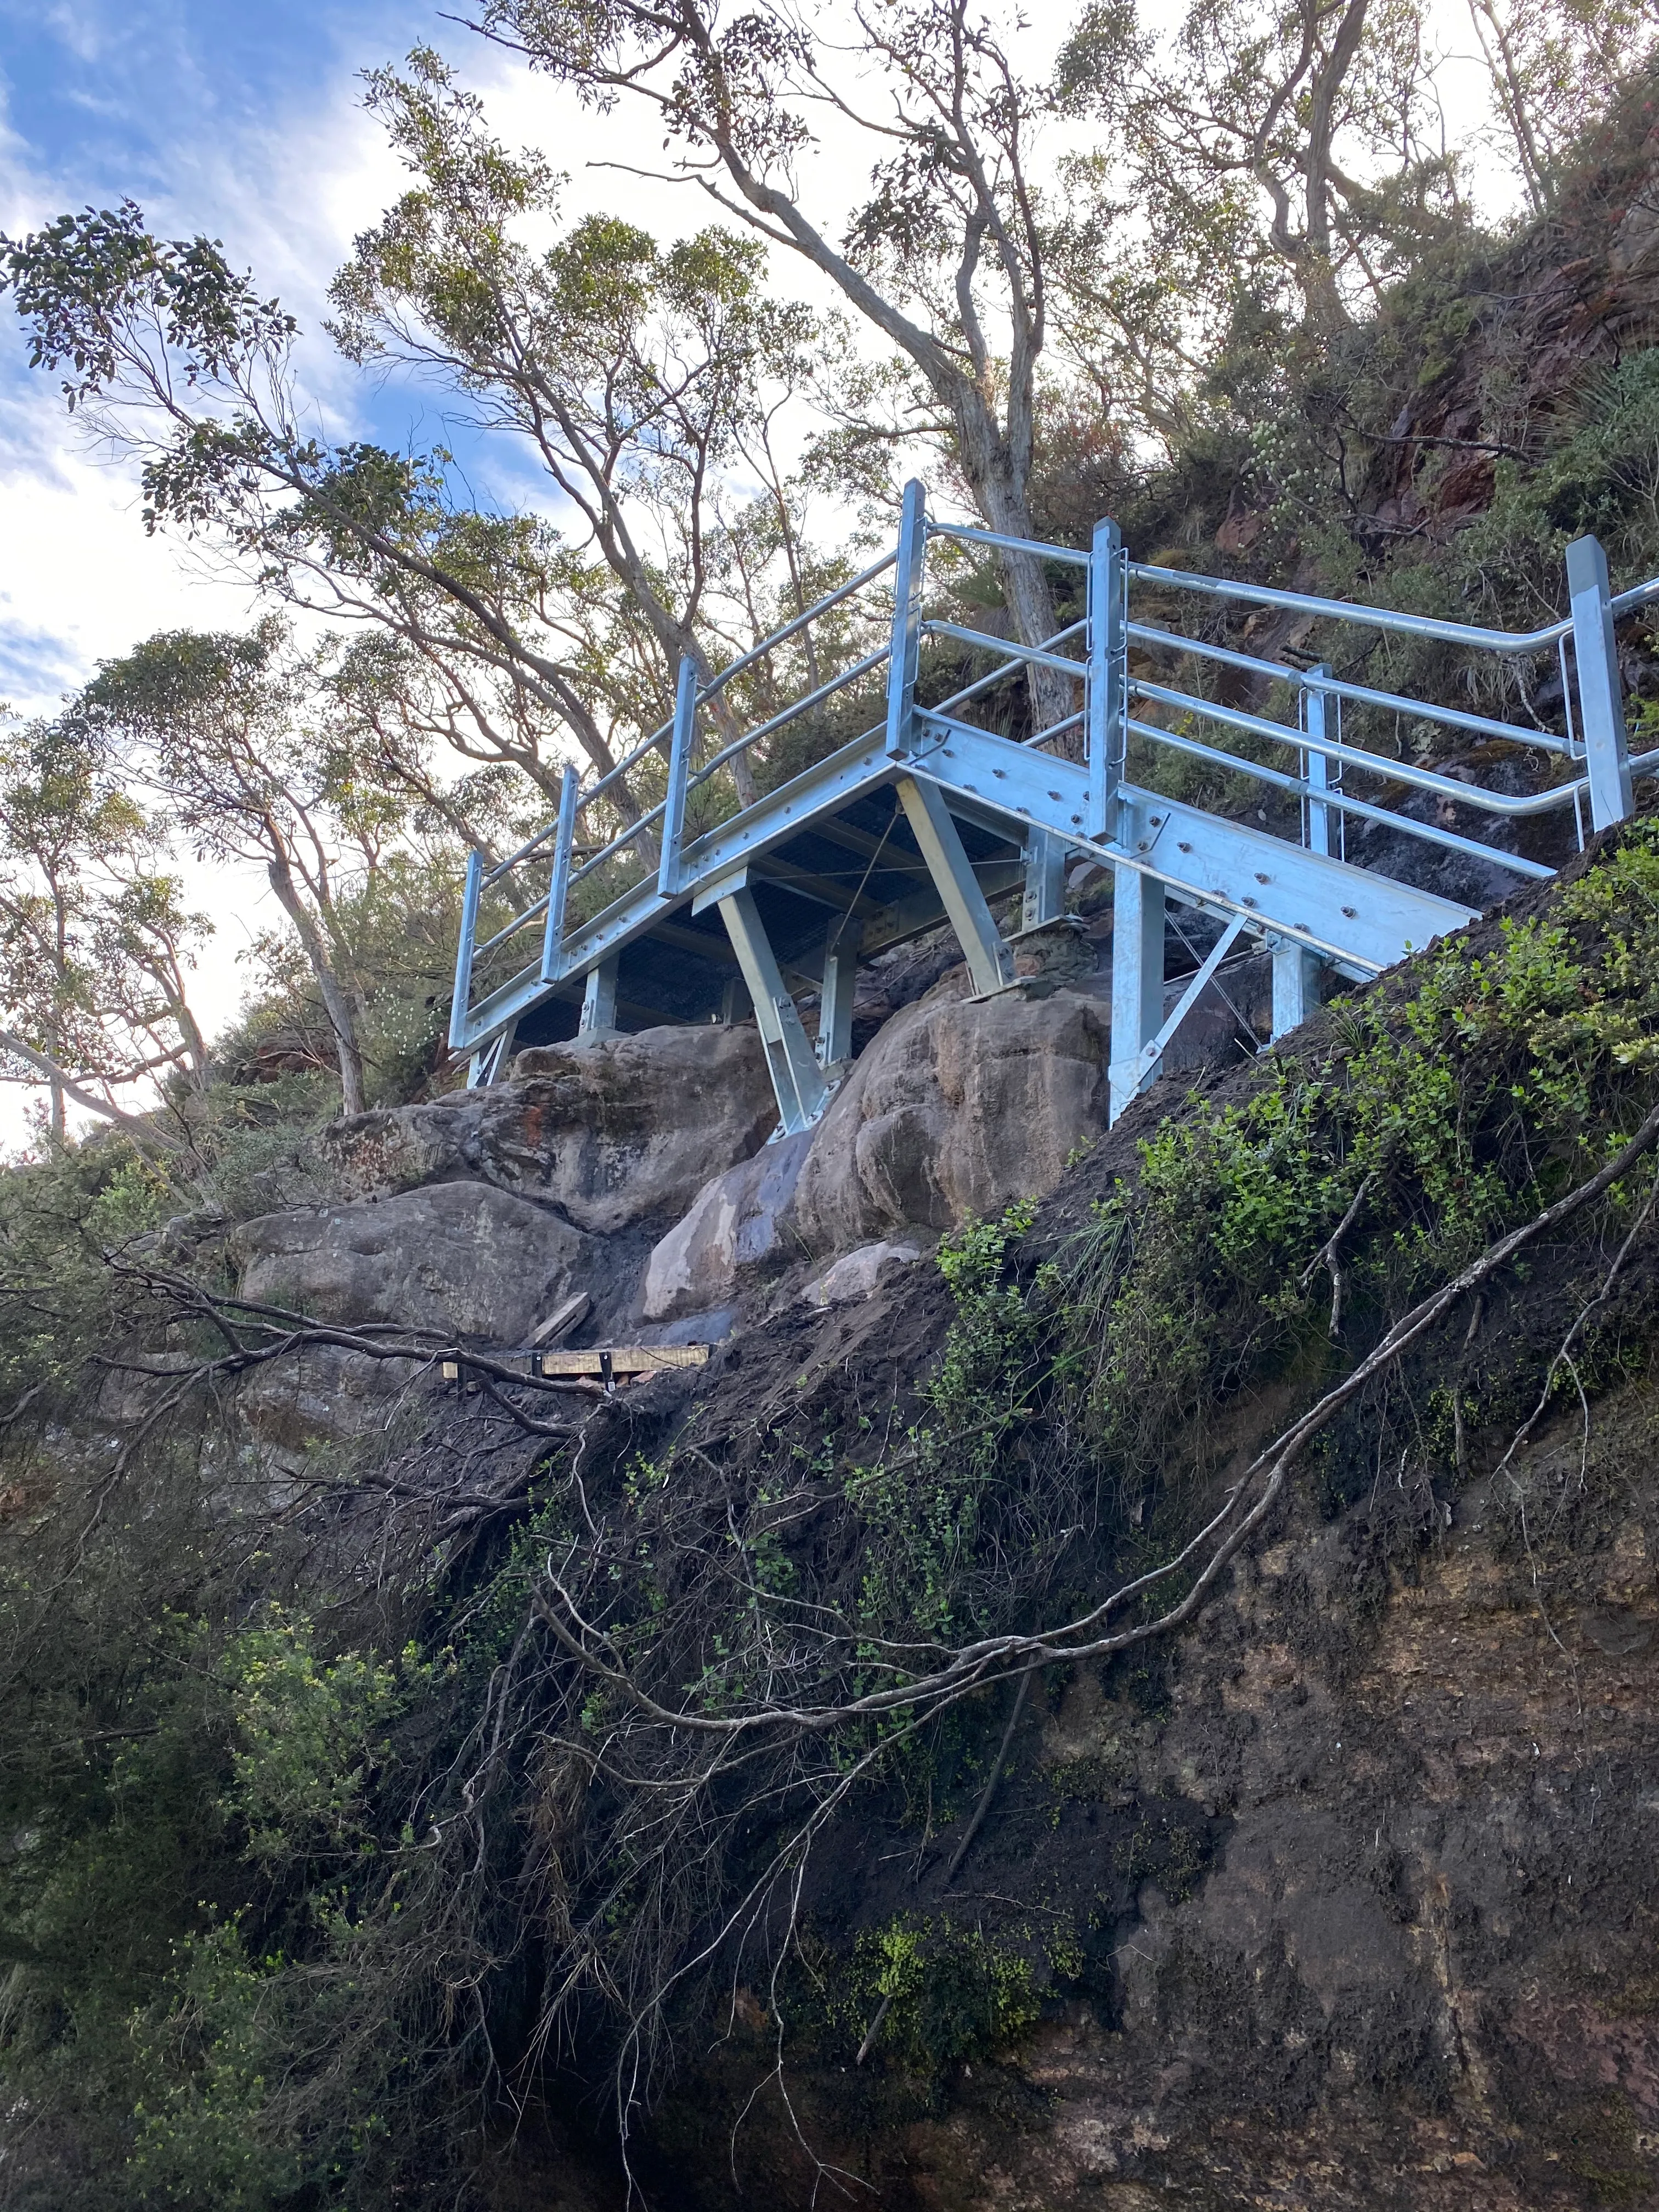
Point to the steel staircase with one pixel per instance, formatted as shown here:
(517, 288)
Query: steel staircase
(721, 896)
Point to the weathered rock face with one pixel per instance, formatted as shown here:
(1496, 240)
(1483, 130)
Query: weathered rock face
(1362, 1873)
(615, 1133)
(737, 1223)
(959, 1107)
(462, 1258)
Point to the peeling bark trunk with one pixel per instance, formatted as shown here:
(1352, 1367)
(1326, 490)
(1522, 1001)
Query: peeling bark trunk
(336, 1002)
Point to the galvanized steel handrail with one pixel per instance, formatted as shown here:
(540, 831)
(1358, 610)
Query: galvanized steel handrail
(1037, 655)
(1333, 796)
(1349, 611)
(789, 713)
(800, 622)
(1421, 778)
(622, 837)
(510, 928)
(1337, 687)
(1007, 544)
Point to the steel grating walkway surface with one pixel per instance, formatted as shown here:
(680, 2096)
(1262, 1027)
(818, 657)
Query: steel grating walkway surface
(804, 808)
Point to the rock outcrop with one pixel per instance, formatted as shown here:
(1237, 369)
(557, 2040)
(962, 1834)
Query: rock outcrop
(615, 1133)
(737, 1223)
(464, 1258)
(960, 1106)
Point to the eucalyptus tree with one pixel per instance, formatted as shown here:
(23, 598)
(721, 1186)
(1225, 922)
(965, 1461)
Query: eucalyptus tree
(943, 255)
(181, 363)
(234, 736)
(632, 370)
(1554, 64)
(95, 941)
(1271, 143)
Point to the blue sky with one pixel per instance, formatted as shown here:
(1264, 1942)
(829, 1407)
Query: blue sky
(239, 120)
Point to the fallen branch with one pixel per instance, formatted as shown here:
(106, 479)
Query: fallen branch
(991, 1781)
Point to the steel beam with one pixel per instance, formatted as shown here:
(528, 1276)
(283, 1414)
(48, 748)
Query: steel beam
(1136, 984)
(797, 1078)
(990, 964)
(1347, 913)
(1601, 692)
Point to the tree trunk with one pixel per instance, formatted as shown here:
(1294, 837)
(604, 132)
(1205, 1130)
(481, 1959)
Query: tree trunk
(1000, 496)
(336, 1001)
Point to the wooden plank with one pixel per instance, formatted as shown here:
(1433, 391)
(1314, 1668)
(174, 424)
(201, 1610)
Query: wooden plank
(648, 1358)
(625, 1360)
(561, 1320)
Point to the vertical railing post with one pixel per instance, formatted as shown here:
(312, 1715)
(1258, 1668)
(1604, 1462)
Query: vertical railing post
(558, 887)
(907, 581)
(472, 891)
(679, 767)
(1315, 816)
(1108, 677)
(1600, 694)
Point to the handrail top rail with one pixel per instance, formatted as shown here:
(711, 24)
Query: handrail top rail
(1005, 544)
(1356, 612)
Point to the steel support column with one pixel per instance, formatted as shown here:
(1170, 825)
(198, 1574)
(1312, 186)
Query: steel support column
(1045, 879)
(1296, 988)
(1601, 693)
(841, 968)
(599, 1014)
(1137, 982)
(990, 963)
(797, 1078)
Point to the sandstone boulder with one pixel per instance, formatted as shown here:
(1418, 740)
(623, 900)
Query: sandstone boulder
(858, 1274)
(735, 1223)
(461, 1258)
(959, 1107)
(615, 1132)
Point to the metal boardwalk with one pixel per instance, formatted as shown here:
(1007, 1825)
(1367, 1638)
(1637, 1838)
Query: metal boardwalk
(721, 894)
